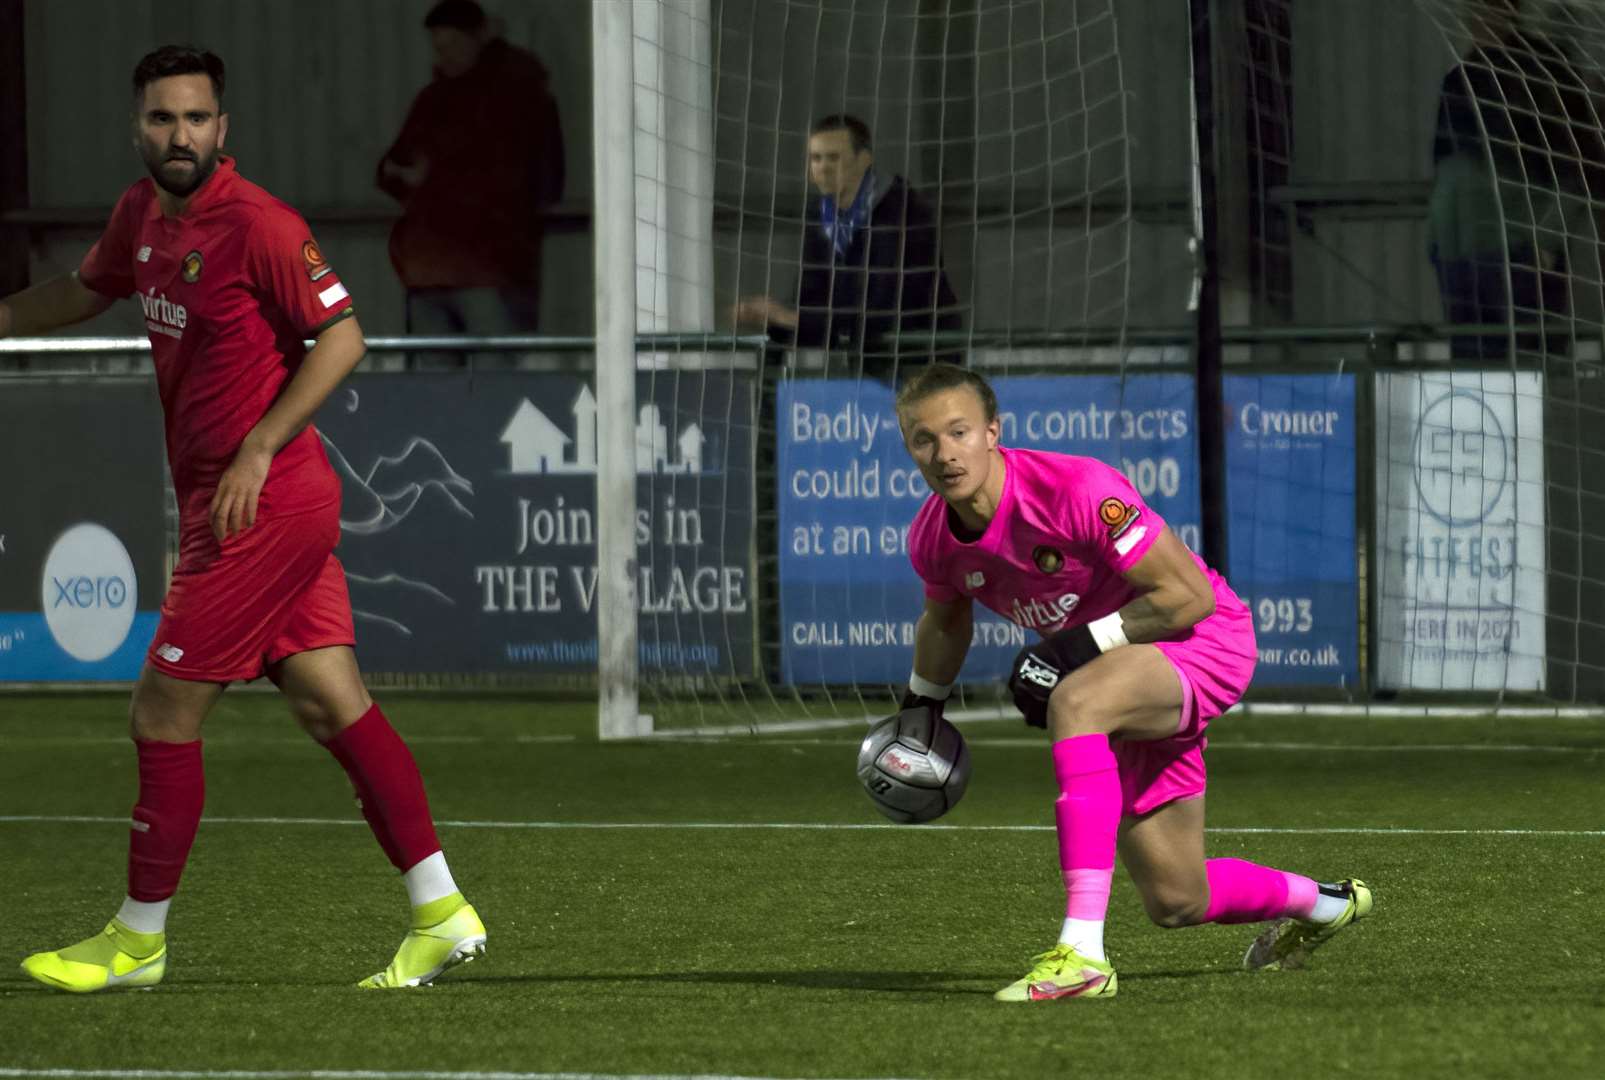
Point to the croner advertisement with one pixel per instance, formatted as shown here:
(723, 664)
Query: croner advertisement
(469, 521)
(82, 529)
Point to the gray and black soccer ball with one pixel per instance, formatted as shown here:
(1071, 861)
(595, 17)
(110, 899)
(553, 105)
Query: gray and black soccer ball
(914, 766)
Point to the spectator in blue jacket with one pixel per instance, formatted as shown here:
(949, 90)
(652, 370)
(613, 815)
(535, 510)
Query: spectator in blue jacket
(871, 278)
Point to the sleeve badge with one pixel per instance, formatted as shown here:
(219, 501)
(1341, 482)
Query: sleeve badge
(1117, 516)
(316, 266)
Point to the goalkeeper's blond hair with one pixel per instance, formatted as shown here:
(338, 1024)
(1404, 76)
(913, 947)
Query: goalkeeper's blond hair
(939, 377)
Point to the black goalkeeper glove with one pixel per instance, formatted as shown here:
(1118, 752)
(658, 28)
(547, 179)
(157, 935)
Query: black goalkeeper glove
(1041, 667)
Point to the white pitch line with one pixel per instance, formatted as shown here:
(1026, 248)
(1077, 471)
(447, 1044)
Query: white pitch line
(284, 740)
(1025, 742)
(1411, 747)
(348, 1074)
(1001, 712)
(795, 826)
(1041, 743)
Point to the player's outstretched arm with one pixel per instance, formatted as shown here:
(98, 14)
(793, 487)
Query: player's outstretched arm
(50, 305)
(337, 351)
(942, 640)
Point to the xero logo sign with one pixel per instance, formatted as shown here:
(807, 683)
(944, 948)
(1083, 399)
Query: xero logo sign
(89, 592)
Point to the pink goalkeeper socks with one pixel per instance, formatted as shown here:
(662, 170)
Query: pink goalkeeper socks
(1242, 892)
(1088, 819)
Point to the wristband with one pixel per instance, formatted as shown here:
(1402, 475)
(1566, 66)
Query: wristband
(927, 689)
(1108, 632)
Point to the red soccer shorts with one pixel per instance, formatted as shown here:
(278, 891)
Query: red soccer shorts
(267, 593)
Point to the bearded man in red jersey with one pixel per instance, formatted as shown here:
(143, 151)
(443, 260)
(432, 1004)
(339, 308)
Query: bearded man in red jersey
(232, 284)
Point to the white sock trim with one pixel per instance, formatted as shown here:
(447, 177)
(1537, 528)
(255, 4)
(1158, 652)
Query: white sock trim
(144, 916)
(429, 880)
(1084, 936)
(1328, 909)
(927, 688)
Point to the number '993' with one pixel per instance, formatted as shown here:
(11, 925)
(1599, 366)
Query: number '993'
(1283, 614)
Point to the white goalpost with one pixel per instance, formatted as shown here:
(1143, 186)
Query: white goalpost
(652, 106)
(619, 714)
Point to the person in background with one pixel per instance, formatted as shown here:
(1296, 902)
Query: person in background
(1516, 153)
(871, 278)
(478, 161)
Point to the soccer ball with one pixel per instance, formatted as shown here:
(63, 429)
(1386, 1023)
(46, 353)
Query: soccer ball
(914, 766)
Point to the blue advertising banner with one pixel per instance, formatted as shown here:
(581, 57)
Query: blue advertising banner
(469, 521)
(848, 491)
(1290, 445)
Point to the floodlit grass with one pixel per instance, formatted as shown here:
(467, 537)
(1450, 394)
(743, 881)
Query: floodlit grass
(797, 952)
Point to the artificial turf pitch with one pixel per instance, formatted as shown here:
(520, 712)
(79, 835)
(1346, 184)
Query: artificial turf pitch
(635, 929)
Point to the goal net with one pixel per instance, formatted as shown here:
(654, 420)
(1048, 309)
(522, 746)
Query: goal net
(998, 218)
(1428, 519)
(1491, 499)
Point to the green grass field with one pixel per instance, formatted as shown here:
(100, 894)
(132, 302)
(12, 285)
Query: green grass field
(704, 908)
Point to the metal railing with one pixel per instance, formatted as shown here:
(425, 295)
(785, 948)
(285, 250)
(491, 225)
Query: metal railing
(1380, 340)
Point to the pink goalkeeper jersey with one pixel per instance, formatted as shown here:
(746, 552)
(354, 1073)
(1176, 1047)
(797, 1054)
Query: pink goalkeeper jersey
(1052, 556)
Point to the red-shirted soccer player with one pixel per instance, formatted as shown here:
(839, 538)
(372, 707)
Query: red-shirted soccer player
(231, 283)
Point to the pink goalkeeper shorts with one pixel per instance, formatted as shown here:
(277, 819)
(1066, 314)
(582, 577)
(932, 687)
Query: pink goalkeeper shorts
(1215, 663)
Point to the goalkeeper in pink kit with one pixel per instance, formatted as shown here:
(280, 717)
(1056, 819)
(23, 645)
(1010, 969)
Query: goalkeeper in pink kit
(1142, 646)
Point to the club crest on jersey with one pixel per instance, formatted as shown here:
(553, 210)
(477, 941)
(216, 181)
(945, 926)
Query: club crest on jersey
(974, 579)
(144, 254)
(193, 265)
(1117, 516)
(317, 267)
(1048, 560)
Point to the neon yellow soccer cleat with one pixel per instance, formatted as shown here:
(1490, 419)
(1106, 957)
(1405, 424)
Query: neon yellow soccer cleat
(1061, 972)
(115, 959)
(1287, 943)
(429, 950)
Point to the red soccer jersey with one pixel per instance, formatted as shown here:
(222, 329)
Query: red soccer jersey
(231, 287)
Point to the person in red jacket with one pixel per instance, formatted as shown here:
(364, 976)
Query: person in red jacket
(478, 161)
